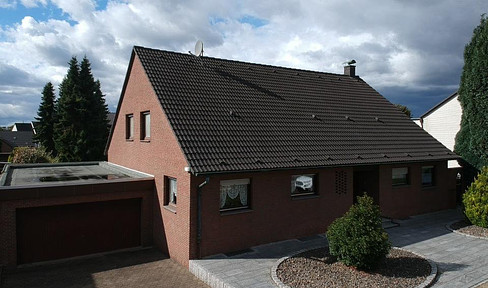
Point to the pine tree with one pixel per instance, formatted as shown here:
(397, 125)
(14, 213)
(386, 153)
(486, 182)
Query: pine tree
(96, 122)
(472, 139)
(68, 128)
(46, 117)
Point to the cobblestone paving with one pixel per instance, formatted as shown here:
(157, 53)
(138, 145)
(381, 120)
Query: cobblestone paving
(144, 268)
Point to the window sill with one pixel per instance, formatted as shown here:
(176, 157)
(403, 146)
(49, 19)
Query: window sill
(428, 187)
(129, 140)
(236, 211)
(146, 140)
(304, 196)
(170, 208)
(401, 186)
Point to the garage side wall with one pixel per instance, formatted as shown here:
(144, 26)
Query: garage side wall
(160, 156)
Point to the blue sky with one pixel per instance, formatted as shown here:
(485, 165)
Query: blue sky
(409, 51)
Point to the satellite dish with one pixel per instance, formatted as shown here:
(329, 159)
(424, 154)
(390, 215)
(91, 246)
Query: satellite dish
(199, 48)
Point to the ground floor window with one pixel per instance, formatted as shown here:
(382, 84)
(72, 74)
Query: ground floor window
(304, 184)
(399, 176)
(171, 190)
(428, 175)
(234, 194)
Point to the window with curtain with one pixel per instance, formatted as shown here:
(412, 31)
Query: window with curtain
(171, 190)
(304, 184)
(234, 194)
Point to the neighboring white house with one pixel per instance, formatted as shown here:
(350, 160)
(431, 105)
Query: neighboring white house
(443, 121)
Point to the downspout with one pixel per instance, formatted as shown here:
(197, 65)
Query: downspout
(199, 213)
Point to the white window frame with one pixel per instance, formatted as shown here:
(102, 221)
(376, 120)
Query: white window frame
(146, 125)
(400, 173)
(242, 199)
(171, 190)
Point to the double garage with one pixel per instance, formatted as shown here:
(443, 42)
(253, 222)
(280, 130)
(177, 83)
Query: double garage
(47, 222)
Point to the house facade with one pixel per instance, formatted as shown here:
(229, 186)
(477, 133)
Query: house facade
(245, 154)
(443, 121)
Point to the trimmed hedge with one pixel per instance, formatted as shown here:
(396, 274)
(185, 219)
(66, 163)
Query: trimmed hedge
(357, 238)
(24, 155)
(475, 200)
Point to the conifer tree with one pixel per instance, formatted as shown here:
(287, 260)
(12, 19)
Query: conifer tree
(46, 117)
(472, 139)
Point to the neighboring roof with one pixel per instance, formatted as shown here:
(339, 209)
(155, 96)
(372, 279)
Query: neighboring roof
(111, 118)
(22, 127)
(17, 138)
(65, 173)
(440, 104)
(231, 116)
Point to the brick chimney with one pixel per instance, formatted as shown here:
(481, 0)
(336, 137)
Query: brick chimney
(350, 70)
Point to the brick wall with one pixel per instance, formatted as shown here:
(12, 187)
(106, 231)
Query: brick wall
(160, 156)
(274, 214)
(413, 199)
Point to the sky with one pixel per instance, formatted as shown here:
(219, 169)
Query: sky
(409, 51)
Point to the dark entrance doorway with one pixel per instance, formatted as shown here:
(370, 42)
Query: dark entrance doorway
(366, 180)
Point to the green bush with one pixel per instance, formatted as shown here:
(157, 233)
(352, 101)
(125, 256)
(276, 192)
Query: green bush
(24, 155)
(357, 238)
(475, 200)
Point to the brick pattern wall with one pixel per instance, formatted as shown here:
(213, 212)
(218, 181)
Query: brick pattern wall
(161, 156)
(274, 214)
(413, 199)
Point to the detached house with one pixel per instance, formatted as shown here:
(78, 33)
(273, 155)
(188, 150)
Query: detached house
(244, 154)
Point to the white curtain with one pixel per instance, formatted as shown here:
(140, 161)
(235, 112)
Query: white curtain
(232, 191)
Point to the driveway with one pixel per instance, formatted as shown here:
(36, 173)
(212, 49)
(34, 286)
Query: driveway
(144, 268)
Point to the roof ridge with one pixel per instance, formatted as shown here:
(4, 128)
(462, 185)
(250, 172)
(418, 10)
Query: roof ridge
(248, 63)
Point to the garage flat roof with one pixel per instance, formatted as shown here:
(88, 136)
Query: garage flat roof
(66, 173)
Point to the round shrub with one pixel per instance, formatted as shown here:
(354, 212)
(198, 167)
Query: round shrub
(24, 155)
(357, 238)
(475, 200)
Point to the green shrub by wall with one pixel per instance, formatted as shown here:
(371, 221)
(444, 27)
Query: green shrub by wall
(24, 155)
(357, 238)
(475, 200)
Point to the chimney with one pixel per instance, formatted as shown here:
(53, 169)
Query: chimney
(350, 70)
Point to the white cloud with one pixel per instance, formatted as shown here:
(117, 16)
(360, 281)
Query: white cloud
(396, 44)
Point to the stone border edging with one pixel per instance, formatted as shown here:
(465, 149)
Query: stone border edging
(427, 283)
(448, 227)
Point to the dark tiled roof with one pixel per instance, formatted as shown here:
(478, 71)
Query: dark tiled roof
(233, 116)
(17, 138)
(23, 127)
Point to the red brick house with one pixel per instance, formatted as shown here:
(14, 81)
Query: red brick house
(244, 154)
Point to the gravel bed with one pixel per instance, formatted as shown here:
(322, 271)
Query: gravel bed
(464, 227)
(317, 268)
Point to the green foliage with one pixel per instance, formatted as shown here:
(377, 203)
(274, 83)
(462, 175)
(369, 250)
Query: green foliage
(404, 109)
(357, 238)
(472, 138)
(46, 117)
(81, 129)
(24, 155)
(475, 200)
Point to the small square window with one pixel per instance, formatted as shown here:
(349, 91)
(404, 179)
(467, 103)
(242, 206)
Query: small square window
(234, 194)
(145, 125)
(427, 175)
(304, 184)
(129, 126)
(399, 176)
(171, 190)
